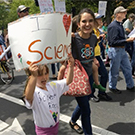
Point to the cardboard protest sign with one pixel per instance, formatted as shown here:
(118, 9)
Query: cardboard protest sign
(45, 6)
(41, 38)
(60, 5)
(132, 33)
(102, 7)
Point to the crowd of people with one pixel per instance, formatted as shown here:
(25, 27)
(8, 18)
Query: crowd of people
(110, 42)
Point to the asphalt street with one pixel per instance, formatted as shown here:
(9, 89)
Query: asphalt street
(108, 118)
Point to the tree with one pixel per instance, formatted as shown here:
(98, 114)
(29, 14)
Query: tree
(78, 5)
(8, 11)
(12, 7)
(3, 13)
(93, 4)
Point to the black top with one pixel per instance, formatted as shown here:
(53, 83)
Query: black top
(116, 34)
(83, 50)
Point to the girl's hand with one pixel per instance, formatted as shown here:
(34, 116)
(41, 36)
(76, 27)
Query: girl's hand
(70, 74)
(33, 68)
(70, 60)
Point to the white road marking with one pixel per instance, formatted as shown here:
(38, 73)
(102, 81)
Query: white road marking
(12, 99)
(63, 117)
(3, 125)
(14, 129)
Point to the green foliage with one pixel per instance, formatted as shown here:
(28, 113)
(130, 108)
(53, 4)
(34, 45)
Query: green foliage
(8, 12)
(28, 3)
(93, 4)
(11, 14)
(80, 4)
(3, 13)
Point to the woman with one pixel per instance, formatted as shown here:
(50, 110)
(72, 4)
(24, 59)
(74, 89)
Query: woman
(83, 45)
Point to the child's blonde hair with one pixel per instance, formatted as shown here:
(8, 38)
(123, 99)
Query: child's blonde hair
(41, 68)
(28, 73)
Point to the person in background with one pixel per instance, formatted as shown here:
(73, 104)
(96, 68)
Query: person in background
(133, 61)
(117, 54)
(107, 62)
(2, 40)
(99, 24)
(9, 54)
(3, 61)
(104, 27)
(7, 40)
(133, 56)
(22, 11)
(53, 68)
(128, 27)
(128, 24)
(101, 69)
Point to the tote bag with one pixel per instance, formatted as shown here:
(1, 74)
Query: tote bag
(80, 85)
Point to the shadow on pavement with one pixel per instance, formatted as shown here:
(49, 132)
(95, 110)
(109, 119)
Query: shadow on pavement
(66, 104)
(124, 97)
(123, 128)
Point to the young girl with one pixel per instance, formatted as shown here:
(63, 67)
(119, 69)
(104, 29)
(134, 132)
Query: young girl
(43, 97)
(101, 70)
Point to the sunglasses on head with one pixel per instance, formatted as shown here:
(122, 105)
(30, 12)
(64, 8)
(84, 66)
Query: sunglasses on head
(24, 11)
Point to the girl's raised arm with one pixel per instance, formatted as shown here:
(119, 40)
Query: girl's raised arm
(30, 88)
(70, 75)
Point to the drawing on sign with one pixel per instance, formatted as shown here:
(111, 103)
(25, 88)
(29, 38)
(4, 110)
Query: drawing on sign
(66, 22)
(37, 22)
